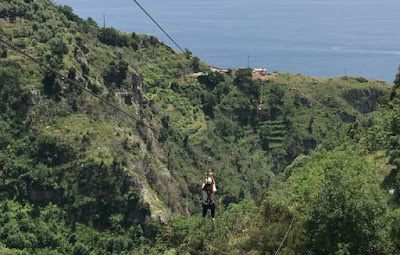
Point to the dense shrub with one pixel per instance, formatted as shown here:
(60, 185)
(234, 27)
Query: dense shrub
(348, 213)
(225, 126)
(211, 80)
(209, 102)
(116, 72)
(4, 9)
(195, 64)
(21, 43)
(44, 35)
(50, 86)
(69, 13)
(112, 37)
(7, 33)
(244, 81)
(15, 8)
(152, 40)
(397, 79)
(24, 31)
(4, 52)
(58, 46)
(12, 96)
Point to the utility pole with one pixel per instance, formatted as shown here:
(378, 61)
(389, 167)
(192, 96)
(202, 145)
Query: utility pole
(248, 60)
(104, 20)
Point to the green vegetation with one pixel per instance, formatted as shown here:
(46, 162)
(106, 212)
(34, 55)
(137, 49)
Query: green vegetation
(79, 177)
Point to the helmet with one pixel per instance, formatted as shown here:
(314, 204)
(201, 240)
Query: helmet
(208, 180)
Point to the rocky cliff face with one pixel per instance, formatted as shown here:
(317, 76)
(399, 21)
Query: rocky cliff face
(364, 100)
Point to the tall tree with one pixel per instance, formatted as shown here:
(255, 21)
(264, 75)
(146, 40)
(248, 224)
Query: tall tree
(397, 79)
(347, 216)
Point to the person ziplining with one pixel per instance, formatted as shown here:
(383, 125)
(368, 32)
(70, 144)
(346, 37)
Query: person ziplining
(208, 189)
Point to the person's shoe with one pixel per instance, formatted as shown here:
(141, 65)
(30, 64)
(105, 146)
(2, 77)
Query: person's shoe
(213, 222)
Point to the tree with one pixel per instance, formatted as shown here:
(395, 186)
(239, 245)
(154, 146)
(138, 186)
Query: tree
(72, 73)
(12, 97)
(69, 13)
(195, 64)
(112, 37)
(50, 85)
(244, 81)
(4, 54)
(116, 72)
(44, 34)
(58, 46)
(385, 133)
(225, 126)
(188, 53)
(153, 40)
(211, 80)
(275, 100)
(265, 133)
(243, 77)
(397, 79)
(347, 215)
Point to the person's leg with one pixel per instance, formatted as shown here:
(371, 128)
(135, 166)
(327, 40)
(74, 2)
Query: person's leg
(204, 213)
(213, 213)
(204, 210)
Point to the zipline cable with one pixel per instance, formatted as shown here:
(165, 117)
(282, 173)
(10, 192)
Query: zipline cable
(208, 166)
(159, 26)
(73, 82)
(287, 232)
(83, 88)
(152, 62)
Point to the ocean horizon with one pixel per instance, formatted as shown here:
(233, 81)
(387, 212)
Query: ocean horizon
(322, 39)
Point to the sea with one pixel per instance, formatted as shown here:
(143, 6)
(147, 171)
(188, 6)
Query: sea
(322, 38)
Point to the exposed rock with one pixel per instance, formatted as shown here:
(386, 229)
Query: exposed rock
(35, 97)
(128, 100)
(305, 102)
(364, 100)
(10, 20)
(361, 80)
(157, 210)
(346, 117)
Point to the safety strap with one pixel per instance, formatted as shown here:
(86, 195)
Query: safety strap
(208, 201)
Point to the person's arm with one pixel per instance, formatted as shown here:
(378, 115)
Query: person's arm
(214, 183)
(211, 174)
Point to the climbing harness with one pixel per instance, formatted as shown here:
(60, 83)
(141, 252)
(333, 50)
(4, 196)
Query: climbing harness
(209, 201)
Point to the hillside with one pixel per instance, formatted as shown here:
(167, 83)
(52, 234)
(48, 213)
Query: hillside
(81, 177)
